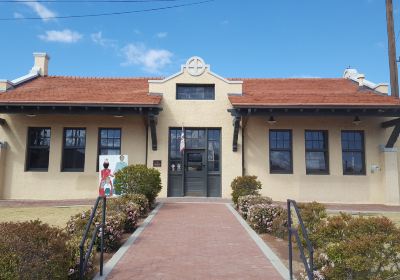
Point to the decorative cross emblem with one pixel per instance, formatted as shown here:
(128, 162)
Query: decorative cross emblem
(195, 66)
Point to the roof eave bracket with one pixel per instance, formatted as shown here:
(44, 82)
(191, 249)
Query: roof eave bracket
(393, 137)
(236, 126)
(152, 121)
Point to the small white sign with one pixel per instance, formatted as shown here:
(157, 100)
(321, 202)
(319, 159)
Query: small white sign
(108, 166)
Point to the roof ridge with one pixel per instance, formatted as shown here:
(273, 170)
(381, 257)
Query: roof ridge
(103, 78)
(285, 79)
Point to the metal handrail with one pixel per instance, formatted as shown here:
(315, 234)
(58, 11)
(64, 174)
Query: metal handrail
(84, 256)
(308, 265)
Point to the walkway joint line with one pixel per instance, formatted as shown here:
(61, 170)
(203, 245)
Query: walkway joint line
(267, 251)
(108, 267)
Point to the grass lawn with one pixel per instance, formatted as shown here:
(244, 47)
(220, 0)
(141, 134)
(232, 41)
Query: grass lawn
(394, 216)
(55, 216)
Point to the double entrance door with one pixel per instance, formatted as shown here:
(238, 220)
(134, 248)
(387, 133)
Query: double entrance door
(195, 171)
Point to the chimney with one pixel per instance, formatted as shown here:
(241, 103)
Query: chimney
(360, 79)
(41, 63)
(5, 85)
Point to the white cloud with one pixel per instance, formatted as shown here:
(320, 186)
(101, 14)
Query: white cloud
(62, 36)
(161, 35)
(151, 60)
(41, 10)
(18, 15)
(98, 39)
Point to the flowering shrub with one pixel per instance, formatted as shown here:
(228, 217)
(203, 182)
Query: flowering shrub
(261, 216)
(114, 227)
(32, 250)
(357, 248)
(244, 185)
(244, 202)
(139, 199)
(129, 210)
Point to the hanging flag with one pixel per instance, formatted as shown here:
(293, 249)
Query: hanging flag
(182, 144)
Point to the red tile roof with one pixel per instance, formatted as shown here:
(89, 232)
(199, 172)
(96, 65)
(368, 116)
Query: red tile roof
(308, 92)
(135, 91)
(74, 90)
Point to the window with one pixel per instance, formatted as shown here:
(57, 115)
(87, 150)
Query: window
(195, 92)
(280, 151)
(175, 156)
(195, 138)
(317, 160)
(74, 149)
(353, 155)
(109, 142)
(38, 149)
(213, 151)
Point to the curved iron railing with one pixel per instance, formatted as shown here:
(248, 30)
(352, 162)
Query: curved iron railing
(84, 256)
(308, 264)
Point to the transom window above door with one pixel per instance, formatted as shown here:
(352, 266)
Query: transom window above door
(195, 138)
(195, 92)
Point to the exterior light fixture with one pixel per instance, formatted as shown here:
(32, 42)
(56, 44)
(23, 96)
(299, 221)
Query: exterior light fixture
(31, 115)
(271, 120)
(356, 120)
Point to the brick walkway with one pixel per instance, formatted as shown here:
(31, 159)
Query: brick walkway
(194, 241)
(72, 202)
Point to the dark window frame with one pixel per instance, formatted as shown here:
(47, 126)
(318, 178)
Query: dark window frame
(29, 147)
(362, 151)
(325, 151)
(177, 131)
(63, 169)
(195, 85)
(218, 140)
(290, 150)
(99, 147)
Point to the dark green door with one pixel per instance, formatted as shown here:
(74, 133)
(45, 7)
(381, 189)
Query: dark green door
(195, 173)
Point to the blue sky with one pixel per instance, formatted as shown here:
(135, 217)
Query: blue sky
(259, 38)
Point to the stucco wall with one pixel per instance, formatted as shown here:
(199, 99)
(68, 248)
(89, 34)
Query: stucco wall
(21, 184)
(334, 187)
(197, 113)
(3, 150)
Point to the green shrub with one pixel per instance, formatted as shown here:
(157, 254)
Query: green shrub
(139, 179)
(140, 200)
(261, 216)
(244, 202)
(358, 248)
(313, 214)
(279, 225)
(244, 185)
(73, 248)
(33, 250)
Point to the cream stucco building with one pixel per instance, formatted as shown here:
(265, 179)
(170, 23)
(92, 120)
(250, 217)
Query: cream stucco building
(330, 140)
